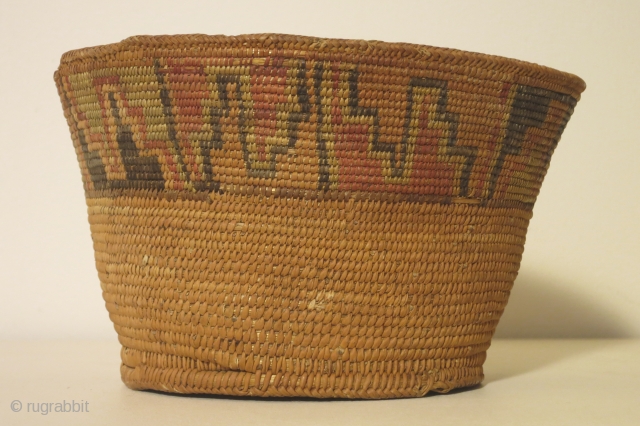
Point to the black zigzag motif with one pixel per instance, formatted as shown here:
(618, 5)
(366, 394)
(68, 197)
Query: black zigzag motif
(217, 114)
(397, 159)
(451, 120)
(226, 96)
(295, 118)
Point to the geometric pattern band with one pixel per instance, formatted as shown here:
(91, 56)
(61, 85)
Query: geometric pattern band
(193, 126)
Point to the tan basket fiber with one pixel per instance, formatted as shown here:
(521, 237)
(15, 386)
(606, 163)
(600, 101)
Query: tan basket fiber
(277, 215)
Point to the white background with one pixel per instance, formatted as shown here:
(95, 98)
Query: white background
(581, 269)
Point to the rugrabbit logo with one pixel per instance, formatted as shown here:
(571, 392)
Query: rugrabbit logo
(45, 408)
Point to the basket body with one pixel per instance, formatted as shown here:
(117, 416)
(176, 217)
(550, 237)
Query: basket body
(287, 216)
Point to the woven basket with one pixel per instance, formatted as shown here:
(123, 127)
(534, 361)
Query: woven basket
(276, 215)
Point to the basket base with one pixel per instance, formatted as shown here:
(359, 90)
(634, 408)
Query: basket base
(267, 384)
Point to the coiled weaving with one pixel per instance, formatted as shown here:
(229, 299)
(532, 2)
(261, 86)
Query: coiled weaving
(279, 215)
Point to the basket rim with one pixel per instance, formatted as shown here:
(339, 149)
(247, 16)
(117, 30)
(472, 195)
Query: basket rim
(322, 44)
